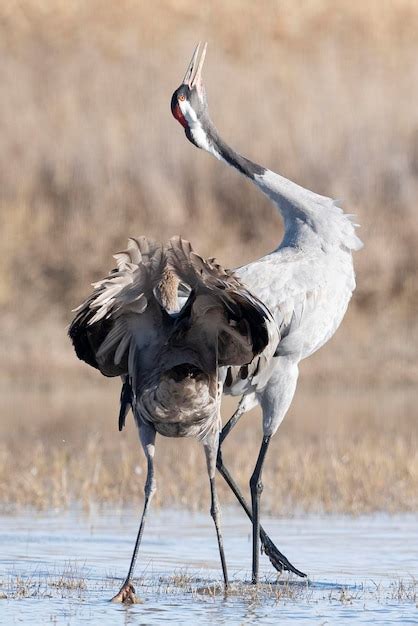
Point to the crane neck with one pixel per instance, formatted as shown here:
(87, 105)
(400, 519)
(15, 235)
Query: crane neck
(310, 220)
(273, 185)
(234, 159)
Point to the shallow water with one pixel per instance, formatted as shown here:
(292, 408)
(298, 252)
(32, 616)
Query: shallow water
(63, 568)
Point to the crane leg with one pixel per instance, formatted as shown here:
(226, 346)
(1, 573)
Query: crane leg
(277, 559)
(241, 409)
(126, 593)
(211, 451)
(256, 486)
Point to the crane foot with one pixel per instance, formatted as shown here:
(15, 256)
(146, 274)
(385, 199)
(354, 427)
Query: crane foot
(126, 595)
(277, 559)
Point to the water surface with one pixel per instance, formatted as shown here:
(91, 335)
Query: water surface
(62, 568)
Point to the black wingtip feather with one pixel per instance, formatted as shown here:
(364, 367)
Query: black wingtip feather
(126, 401)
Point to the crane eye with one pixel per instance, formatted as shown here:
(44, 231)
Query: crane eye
(182, 97)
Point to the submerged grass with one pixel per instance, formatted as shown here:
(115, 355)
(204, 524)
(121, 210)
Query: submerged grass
(74, 583)
(70, 582)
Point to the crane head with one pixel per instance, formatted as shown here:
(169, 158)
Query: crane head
(188, 102)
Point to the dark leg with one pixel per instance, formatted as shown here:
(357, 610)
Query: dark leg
(147, 436)
(210, 451)
(233, 420)
(256, 487)
(277, 559)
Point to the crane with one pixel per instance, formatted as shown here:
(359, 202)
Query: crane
(166, 320)
(306, 282)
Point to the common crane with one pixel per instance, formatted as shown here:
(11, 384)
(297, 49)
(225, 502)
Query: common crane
(306, 282)
(166, 320)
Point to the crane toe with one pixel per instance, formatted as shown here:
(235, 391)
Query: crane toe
(126, 595)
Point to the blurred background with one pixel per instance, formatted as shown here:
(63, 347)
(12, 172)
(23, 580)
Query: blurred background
(324, 93)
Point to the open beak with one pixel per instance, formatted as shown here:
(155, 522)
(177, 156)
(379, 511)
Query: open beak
(193, 75)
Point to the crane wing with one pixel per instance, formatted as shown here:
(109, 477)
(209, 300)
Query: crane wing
(220, 304)
(122, 315)
(129, 326)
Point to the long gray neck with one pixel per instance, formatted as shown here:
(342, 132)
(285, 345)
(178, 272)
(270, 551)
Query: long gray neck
(310, 220)
(227, 154)
(286, 195)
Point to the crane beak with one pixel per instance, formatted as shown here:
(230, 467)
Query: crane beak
(193, 75)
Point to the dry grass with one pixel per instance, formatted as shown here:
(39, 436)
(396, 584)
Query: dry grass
(348, 444)
(326, 94)
(345, 448)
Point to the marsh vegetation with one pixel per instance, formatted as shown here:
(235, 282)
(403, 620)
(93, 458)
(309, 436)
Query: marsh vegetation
(90, 155)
